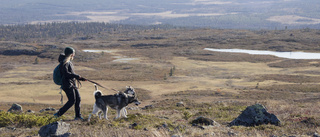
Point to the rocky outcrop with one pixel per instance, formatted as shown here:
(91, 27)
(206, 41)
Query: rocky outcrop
(55, 129)
(15, 108)
(255, 115)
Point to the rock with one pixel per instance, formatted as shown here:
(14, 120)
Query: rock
(47, 109)
(206, 134)
(148, 107)
(11, 128)
(255, 115)
(15, 107)
(30, 111)
(204, 121)
(180, 128)
(55, 129)
(180, 104)
(165, 125)
(133, 126)
(201, 127)
(231, 133)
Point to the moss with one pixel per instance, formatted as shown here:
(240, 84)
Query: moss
(24, 120)
(187, 115)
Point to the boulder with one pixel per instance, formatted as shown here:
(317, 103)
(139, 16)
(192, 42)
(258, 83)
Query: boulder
(15, 108)
(255, 115)
(58, 128)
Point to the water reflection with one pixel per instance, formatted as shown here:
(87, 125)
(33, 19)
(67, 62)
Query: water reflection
(288, 55)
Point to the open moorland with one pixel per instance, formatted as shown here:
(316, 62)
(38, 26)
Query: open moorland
(222, 14)
(167, 66)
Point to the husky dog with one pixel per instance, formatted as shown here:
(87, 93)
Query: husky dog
(117, 101)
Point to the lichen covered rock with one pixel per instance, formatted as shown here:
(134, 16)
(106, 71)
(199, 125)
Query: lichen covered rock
(255, 115)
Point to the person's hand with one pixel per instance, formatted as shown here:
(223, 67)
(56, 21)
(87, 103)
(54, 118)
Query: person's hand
(82, 79)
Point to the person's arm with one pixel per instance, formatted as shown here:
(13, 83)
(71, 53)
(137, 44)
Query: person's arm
(68, 71)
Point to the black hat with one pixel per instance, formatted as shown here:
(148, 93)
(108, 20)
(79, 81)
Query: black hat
(68, 51)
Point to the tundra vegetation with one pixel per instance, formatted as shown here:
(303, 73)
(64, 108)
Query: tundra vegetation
(165, 65)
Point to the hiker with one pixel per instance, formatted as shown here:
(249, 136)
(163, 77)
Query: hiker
(69, 86)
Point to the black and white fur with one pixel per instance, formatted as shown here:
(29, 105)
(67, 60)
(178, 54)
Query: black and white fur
(117, 101)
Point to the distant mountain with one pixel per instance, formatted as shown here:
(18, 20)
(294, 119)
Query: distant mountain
(231, 14)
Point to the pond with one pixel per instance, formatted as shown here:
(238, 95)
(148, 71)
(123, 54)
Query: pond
(288, 55)
(122, 59)
(97, 51)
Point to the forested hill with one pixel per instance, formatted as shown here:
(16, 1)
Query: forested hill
(29, 32)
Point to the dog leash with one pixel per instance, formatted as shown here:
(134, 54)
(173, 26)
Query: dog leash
(100, 85)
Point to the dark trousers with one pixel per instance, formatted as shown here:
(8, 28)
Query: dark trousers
(73, 98)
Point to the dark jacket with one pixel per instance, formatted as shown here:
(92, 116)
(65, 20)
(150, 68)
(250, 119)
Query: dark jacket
(68, 76)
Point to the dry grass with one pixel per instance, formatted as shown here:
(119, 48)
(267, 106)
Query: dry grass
(288, 78)
(295, 63)
(215, 85)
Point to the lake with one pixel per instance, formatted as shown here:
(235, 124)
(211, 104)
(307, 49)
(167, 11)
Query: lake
(288, 55)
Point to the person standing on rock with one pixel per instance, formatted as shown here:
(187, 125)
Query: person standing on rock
(69, 86)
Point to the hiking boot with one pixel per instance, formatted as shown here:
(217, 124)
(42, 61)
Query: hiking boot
(56, 115)
(78, 118)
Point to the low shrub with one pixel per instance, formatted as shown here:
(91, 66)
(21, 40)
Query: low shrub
(24, 120)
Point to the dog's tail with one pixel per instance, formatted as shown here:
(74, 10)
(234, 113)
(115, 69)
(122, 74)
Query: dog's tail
(95, 85)
(97, 93)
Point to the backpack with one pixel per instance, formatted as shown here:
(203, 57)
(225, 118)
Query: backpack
(57, 77)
